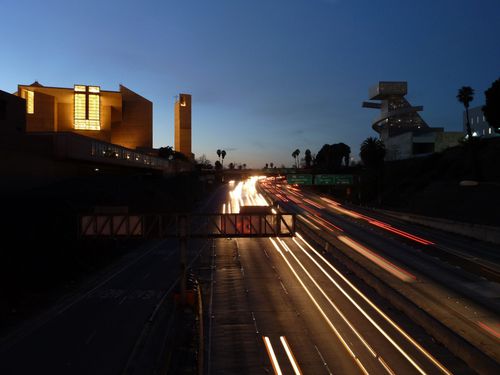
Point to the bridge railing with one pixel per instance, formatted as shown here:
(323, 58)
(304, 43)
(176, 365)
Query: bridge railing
(211, 225)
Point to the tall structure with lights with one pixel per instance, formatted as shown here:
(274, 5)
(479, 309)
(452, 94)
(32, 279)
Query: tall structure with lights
(397, 115)
(404, 133)
(119, 117)
(182, 121)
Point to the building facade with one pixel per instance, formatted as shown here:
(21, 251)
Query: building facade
(479, 126)
(120, 117)
(401, 128)
(182, 122)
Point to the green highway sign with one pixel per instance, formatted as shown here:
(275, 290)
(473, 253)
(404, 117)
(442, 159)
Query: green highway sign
(344, 179)
(333, 179)
(324, 179)
(300, 179)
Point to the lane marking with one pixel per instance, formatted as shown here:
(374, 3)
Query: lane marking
(128, 265)
(324, 361)
(255, 323)
(283, 287)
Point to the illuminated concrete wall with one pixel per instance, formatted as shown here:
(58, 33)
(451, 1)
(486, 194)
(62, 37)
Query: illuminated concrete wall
(135, 127)
(125, 117)
(182, 121)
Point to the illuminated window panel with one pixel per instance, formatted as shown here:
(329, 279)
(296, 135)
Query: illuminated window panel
(30, 102)
(87, 108)
(93, 107)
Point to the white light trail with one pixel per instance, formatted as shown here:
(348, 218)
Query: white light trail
(323, 314)
(335, 307)
(272, 356)
(369, 302)
(290, 355)
(378, 260)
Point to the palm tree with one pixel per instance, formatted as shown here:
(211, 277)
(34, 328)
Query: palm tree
(218, 154)
(372, 152)
(295, 155)
(465, 96)
(271, 164)
(223, 154)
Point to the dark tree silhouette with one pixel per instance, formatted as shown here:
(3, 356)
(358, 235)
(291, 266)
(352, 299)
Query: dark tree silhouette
(465, 96)
(266, 166)
(271, 164)
(223, 154)
(218, 154)
(218, 165)
(169, 154)
(204, 163)
(330, 157)
(372, 152)
(308, 158)
(231, 165)
(295, 155)
(166, 152)
(491, 109)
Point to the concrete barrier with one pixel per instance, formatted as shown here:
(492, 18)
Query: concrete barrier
(480, 232)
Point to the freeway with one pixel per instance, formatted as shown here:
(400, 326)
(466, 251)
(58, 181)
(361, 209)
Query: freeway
(282, 306)
(97, 330)
(450, 277)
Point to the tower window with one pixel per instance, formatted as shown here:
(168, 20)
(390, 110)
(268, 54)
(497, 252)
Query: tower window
(30, 101)
(87, 107)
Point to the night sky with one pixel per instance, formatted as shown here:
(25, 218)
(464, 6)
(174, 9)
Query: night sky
(267, 76)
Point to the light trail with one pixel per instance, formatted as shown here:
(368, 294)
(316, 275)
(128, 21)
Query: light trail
(400, 232)
(272, 356)
(335, 307)
(323, 314)
(489, 329)
(369, 302)
(365, 314)
(290, 355)
(380, 261)
(308, 222)
(312, 203)
(337, 206)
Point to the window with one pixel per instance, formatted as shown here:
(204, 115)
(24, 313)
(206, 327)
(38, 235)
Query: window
(472, 120)
(30, 101)
(477, 120)
(87, 107)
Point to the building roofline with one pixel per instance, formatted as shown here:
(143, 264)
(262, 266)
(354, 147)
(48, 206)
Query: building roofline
(64, 88)
(126, 88)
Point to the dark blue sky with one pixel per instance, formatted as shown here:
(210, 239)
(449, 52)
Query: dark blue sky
(267, 76)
